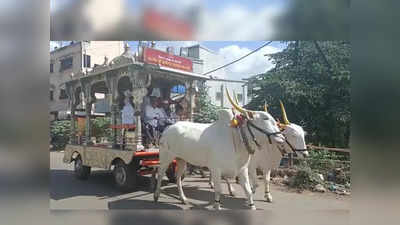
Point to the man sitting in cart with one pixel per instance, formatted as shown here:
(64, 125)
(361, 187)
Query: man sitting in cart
(155, 117)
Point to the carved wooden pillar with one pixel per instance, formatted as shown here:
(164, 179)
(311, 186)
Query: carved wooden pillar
(88, 111)
(73, 128)
(139, 93)
(114, 113)
(72, 100)
(140, 83)
(111, 82)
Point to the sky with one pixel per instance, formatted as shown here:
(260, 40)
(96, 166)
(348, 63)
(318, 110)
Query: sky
(229, 50)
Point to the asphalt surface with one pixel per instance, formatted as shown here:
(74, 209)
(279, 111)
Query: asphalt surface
(98, 192)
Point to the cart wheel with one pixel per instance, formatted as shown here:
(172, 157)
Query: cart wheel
(81, 172)
(171, 173)
(124, 176)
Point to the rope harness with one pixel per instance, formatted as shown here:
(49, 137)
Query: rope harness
(268, 134)
(246, 141)
(251, 124)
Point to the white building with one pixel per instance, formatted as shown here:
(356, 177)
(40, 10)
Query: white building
(75, 59)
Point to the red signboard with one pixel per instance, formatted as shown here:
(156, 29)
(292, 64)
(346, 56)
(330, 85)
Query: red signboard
(161, 58)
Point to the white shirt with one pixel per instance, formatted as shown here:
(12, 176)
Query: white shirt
(151, 113)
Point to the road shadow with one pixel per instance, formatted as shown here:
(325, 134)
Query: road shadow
(132, 203)
(63, 184)
(195, 193)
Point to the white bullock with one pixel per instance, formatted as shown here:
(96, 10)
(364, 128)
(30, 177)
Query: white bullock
(217, 146)
(270, 157)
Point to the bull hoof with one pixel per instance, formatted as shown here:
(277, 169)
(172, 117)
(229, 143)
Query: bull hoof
(217, 206)
(184, 201)
(253, 207)
(268, 198)
(155, 198)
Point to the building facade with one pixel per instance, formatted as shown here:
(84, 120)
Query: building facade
(217, 94)
(74, 60)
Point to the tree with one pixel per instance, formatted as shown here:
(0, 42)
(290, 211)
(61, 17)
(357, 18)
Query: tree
(315, 91)
(206, 112)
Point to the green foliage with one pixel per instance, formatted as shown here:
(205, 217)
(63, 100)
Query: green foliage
(101, 127)
(305, 178)
(325, 155)
(59, 134)
(329, 164)
(206, 112)
(315, 97)
(60, 131)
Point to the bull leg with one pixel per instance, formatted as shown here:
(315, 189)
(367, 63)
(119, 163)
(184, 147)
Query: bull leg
(267, 195)
(165, 160)
(244, 181)
(181, 165)
(203, 175)
(253, 179)
(230, 187)
(216, 177)
(210, 181)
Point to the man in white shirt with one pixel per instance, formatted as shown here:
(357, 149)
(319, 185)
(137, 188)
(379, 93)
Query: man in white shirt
(152, 112)
(154, 118)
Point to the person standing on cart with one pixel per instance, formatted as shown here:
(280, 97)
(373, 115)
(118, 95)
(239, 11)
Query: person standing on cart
(127, 114)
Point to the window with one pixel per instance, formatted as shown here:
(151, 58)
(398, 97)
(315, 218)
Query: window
(218, 96)
(240, 97)
(184, 51)
(86, 61)
(51, 67)
(63, 94)
(51, 95)
(66, 63)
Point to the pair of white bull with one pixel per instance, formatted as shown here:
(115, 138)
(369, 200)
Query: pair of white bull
(221, 148)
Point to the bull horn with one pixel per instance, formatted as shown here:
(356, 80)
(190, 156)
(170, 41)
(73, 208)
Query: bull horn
(284, 116)
(238, 108)
(265, 106)
(235, 96)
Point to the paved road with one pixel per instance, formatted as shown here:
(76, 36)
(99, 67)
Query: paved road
(98, 192)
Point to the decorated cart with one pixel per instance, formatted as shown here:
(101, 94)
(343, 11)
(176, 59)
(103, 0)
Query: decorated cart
(125, 152)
